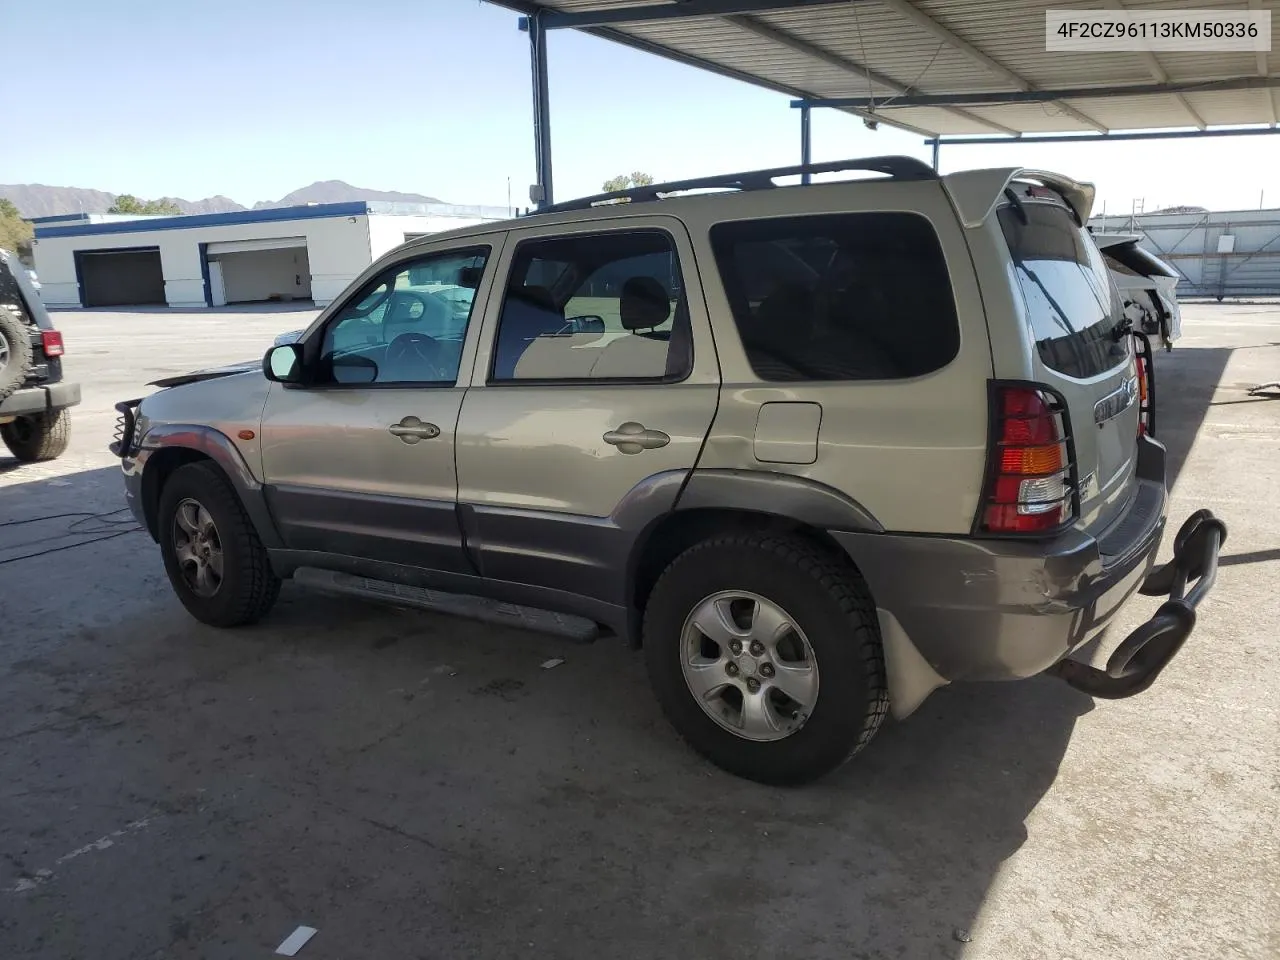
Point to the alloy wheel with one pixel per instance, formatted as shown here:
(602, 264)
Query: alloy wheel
(749, 665)
(198, 548)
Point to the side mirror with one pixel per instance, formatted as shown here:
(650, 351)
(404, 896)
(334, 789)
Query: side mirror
(283, 363)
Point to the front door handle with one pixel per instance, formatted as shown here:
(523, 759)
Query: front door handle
(633, 437)
(411, 430)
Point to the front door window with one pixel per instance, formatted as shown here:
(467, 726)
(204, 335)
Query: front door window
(406, 326)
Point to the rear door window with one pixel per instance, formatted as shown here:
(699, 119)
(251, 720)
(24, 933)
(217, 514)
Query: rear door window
(607, 306)
(1072, 305)
(857, 296)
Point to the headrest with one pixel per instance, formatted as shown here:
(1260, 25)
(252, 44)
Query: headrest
(644, 304)
(535, 296)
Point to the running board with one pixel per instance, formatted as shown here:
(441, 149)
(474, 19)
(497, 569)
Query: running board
(578, 629)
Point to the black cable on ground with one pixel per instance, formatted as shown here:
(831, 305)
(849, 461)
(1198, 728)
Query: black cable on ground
(52, 516)
(69, 546)
(106, 520)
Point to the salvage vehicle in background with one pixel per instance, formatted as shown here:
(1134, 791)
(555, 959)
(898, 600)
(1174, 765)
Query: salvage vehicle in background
(35, 401)
(819, 449)
(1147, 284)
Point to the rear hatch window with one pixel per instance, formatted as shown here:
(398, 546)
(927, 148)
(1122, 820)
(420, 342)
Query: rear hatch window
(1071, 304)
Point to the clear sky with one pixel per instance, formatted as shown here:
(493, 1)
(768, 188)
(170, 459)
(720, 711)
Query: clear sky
(254, 98)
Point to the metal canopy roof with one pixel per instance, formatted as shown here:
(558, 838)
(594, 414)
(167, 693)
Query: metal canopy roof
(944, 67)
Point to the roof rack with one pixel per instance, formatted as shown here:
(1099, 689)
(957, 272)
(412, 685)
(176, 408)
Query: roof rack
(897, 167)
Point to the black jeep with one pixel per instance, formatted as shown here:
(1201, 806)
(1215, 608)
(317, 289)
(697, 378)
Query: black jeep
(35, 419)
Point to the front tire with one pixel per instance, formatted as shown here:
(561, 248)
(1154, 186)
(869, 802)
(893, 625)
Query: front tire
(40, 436)
(215, 561)
(765, 655)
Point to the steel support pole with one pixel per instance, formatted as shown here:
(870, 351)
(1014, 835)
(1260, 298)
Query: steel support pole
(806, 143)
(541, 193)
(937, 148)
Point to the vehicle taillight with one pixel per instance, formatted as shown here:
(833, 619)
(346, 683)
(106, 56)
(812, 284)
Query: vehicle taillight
(1029, 473)
(51, 340)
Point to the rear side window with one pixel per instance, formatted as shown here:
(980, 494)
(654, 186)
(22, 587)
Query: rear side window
(605, 306)
(1071, 303)
(857, 296)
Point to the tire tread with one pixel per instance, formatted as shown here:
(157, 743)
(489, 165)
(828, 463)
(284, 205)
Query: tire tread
(260, 586)
(842, 582)
(52, 437)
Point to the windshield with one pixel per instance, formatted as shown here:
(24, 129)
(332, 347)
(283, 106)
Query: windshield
(1073, 308)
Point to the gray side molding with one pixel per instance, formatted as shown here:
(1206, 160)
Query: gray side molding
(780, 494)
(218, 447)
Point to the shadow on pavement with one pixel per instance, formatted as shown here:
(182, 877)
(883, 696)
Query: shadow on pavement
(1257, 556)
(1186, 381)
(399, 777)
(415, 784)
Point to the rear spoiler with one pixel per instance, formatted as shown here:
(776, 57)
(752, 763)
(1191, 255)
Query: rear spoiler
(1105, 240)
(975, 193)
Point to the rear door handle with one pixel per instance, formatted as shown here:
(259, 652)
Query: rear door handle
(411, 430)
(633, 437)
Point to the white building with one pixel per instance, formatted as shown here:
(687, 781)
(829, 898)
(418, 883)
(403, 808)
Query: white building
(285, 253)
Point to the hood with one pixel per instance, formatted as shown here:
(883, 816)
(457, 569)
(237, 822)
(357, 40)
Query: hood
(211, 373)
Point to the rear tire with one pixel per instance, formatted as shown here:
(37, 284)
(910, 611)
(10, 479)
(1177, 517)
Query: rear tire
(826, 609)
(40, 436)
(217, 565)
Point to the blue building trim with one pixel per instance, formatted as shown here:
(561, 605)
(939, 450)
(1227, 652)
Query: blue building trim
(356, 208)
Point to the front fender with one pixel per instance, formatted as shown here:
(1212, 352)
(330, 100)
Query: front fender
(166, 446)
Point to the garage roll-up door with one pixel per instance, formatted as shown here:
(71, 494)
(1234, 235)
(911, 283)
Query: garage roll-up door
(111, 278)
(259, 273)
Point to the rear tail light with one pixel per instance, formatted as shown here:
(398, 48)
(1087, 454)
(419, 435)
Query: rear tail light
(1029, 488)
(51, 340)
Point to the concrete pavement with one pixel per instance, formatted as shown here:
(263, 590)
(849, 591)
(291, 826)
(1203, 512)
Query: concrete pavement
(417, 786)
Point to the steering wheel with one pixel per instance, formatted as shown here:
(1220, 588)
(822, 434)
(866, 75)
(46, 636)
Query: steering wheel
(420, 353)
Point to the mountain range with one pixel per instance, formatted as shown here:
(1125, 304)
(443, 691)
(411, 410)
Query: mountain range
(39, 200)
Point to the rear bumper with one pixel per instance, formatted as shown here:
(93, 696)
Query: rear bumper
(53, 396)
(996, 610)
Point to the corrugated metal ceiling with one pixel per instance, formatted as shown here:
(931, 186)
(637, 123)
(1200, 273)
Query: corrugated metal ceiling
(889, 48)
